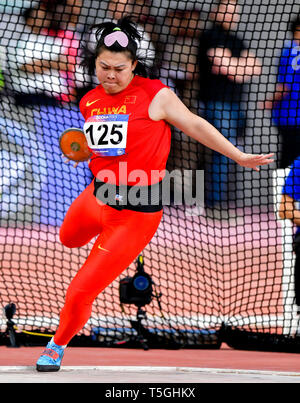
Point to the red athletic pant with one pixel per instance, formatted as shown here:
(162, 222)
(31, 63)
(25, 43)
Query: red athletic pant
(122, 235)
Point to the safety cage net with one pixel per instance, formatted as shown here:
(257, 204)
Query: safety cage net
(222, 271)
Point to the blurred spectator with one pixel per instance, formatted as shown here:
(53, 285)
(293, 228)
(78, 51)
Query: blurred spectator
(226, 65)
(43, 71)
(289, 209)
(139, 10)
(43, 63)
(179, 66)
(65, 12)
(23, 172)
(285, 101)
(179, 70)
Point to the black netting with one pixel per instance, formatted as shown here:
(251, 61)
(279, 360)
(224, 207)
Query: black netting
(225, 271)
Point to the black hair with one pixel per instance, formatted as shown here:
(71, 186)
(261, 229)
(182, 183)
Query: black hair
(101, 30)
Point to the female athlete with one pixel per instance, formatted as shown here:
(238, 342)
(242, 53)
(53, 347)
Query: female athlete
(127, 128)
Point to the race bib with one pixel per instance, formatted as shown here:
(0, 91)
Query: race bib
(106, 135)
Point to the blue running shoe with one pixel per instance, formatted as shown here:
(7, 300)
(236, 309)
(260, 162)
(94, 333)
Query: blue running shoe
(50, 358)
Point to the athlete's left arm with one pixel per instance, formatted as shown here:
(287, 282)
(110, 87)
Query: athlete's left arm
(167, 106)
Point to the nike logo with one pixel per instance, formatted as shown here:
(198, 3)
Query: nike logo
(100, 247)
(89, 103)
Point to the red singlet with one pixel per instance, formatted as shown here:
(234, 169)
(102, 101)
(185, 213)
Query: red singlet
(148, 141)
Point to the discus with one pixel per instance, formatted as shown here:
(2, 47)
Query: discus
(74, 146)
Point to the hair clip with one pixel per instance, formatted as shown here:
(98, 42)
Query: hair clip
(116, 36)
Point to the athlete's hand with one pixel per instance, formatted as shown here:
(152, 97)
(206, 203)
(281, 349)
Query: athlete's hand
(254, 161)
